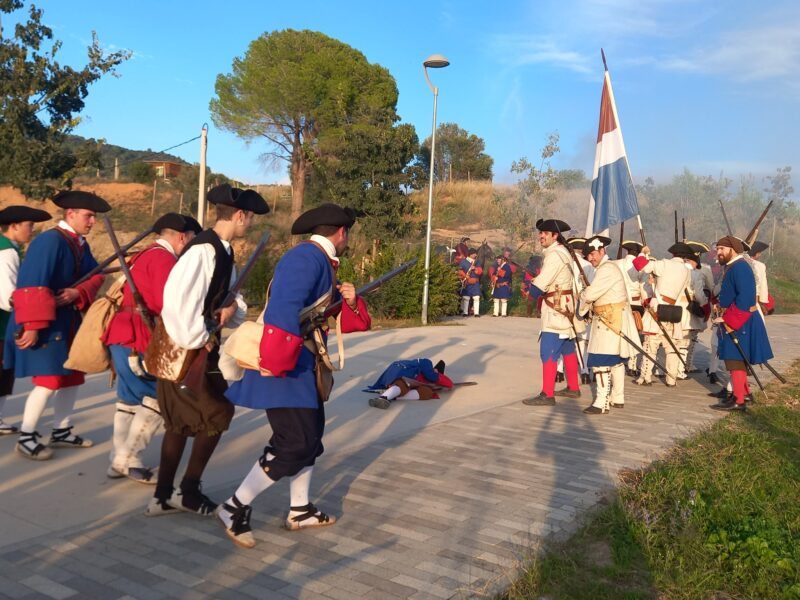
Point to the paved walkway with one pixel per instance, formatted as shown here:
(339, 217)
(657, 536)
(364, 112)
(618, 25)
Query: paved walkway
(436, 500)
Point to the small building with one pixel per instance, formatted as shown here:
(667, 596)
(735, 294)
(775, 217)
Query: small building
(164, 168)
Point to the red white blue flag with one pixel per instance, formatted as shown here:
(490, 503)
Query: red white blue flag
(613, 197)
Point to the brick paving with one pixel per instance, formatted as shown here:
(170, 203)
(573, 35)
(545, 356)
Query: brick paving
(449, 510)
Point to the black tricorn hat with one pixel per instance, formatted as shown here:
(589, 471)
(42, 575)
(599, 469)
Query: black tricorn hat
(228, 195)
(681, 250)
(182, 223)
(472, 251)
(595, 243)
(552, 225)
(18, 213)
(576, 243)
(324, 214)
(81, 199)
(632, 246)
(758, 246)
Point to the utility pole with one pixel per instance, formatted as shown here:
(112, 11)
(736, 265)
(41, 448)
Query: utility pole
(153, 203)
(201, 191)
(116, 169)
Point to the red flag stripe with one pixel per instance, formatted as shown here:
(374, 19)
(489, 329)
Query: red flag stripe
(607, 121)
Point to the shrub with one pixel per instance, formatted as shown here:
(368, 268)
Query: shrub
(141, 172)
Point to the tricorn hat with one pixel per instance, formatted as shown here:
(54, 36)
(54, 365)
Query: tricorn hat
(181, 223)
(552, 225)
(576, 243)
(595, 243)
(697, 247)
(632, 246)
(18, 213)
(324, 214)
(228, 195)
(81, 199)
(757, 247)
(472, 251)
(681, 250)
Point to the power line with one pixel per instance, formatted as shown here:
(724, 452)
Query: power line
(133, 160)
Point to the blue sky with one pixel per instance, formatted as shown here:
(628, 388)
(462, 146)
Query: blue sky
(711, 86)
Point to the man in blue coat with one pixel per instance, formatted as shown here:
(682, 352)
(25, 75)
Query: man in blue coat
(411, 379)
(286, 386)
(469, 272)
(740, 322)
(46, 315)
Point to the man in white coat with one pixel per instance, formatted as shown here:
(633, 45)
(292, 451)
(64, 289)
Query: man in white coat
(634, 281)
(672, 282)
(556, 285)
(607, 297)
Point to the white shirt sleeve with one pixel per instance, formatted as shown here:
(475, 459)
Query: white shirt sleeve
(184, 295)
(9, 266)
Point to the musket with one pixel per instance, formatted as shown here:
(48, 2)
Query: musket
(103, 264)
(585, 280)
(141, 308)
(683, 228)
(621, 237)
(667, 337)
(751, 237)
(310, 321)
(634, 345)
(725, 216)
(676, 226)
(195, 375)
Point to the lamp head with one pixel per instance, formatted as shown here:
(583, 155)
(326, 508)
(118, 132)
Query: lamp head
(436, 61)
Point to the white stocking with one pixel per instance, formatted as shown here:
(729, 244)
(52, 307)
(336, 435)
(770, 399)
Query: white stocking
(123, 416)
(34, 407)
(392, 393)
(504, 307)
(299, 486)
(476, 305)
(252, 485)
(411, 395)
(496, 311)
(464, 305)
(63, 404)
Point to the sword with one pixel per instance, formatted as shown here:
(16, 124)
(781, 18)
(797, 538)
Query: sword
(747, 364)
(630, 342)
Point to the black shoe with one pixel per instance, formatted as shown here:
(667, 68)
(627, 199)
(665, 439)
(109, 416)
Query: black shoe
(439, 367)
(380, 402)
(593, 410)
(631, 372)
(559, 378)
(476, 315)
(723, 393)
(730, 407)
(617, 405)
(568, 393)
(586, 379)
(540, 400)
(712, 378)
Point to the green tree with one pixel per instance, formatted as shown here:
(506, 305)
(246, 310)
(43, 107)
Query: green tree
(368, 170)
(779, 191)
(41, 99)
(535, 191)
(460, 155)
(296, 88)
(142, 172)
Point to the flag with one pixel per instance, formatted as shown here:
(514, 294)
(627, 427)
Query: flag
(613, 197)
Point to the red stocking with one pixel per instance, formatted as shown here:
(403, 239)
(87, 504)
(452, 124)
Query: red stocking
(571, 370)
(549, 370)
(739, 383)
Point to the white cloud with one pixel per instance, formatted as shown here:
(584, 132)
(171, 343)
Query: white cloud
(516, 50)
(770, 51)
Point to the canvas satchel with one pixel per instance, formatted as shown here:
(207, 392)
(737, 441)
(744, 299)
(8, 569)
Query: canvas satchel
(88, 353)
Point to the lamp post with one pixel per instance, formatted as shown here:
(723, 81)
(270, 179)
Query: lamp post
(434, 61)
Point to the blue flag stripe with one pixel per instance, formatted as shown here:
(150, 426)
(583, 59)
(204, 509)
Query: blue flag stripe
(614, 195)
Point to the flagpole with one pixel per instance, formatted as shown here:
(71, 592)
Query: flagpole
(621, 137)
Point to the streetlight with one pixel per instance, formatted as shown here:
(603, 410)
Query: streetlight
(434, 61)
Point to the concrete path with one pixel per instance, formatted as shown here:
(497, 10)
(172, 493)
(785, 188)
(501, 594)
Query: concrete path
(437, 499)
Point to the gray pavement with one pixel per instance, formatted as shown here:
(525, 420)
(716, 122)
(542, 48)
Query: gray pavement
(439, 499)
